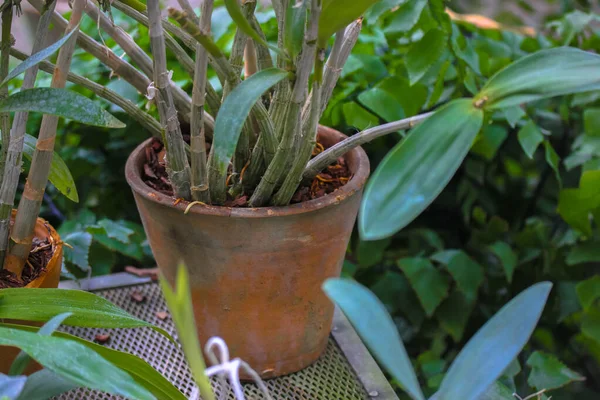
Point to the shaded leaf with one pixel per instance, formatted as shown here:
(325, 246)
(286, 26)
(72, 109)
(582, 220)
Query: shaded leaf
(584, 253)
(430, 284)
(591, 121)
(513, 115)
(453, 315)
(376, 329)
(45, 384)
(588, 292)
(423, 54)
(547, 372)
(498, 391)
(553, 160)
(369, 254)
(490, 140)
(467, 273)
(530, 138)
(507, 257)
(590, 324)
(78, 250)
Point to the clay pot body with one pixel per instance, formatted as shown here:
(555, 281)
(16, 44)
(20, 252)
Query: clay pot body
(256, 273)
(48, 280)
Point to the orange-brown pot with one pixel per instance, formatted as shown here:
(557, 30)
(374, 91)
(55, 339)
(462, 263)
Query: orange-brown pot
(47, 279)
(256, 273)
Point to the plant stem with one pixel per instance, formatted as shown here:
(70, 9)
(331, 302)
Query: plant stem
(189, 10)
(177, 162)
(198, 142)
(7, 15)
(264, 54)
(35, 186)
(331, 154)
(278, 167)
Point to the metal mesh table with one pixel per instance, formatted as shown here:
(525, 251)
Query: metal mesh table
(346, 371)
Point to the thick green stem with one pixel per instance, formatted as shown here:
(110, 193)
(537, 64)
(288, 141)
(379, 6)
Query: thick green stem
(35, 186)
(177, 162)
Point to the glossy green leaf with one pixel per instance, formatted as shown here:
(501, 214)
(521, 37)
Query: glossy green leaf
(507, 258)
(179, 302)
(22, 359)
(11, 386)
(530, 137)
(139, 369)
(88, 309)
(591, 121)
(78, 250)
(380, 102)
(45, 384)
(406, 17)
(75, 362)
(547, 372)
(235, 111)
(546, 73)
(588, 292)
(491, 350)
(295, 23)
(430, 284)
(63, 103)
(374, 325)
(423, 54)
(358, 116)
(513, 115)
(336, 14)
(38, 57)
(417, 169)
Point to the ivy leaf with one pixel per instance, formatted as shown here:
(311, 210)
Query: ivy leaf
(112, 229)
(78, 250)
(430, 284)
(423, 54)
(406, 17)
(547, 372)
(453, 315)
(588, 292)
(576, 205)
(467, 273)
(507, 257)
(530, 138)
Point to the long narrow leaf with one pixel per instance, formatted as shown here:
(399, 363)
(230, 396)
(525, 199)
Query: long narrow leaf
(62, 102)
(45, 384)
(38, 57)
(235, 111)
(140, 370)
(487, 355)
(546, 73)
(415, 171)
(75, 362)
(235, 11)
(88, 309)
(376, 328)
(11, 386)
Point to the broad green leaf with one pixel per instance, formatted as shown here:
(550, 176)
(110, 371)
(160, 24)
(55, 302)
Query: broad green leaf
(588, 292)
(417, 169)
(507, 258)
(423, 54)
(547, 372)
(380, 8)
(513, 115)
(179, 302)
(591, 121)
(587, 252)
(467, 273)
(411, 98)
(114, 230)
(78, 250)
(453, 315)
(139, 369)
(546, 73)
(358, 117)
(60, 102)
(380, 102)
(336, 14)
(406, 17)
(11, 386)
(430, 284)
(491, 350)
(576, 205)
(88, 309)
(38, 57)
(75, 362)
(376, 328)
(22, 359)
(59, 176)
(530, 138)
(45, 384)
(295, 23)
(235, 111)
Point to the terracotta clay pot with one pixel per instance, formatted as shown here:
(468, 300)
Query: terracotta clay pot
(48, 279)
(256, 273)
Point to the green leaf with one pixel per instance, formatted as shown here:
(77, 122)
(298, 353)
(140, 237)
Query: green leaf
(590, 324)
(406, 17)
(576, 205)
(179, 302)
(507, 257)
(88, 309)
(380, 8)
(371, 253)
(546, 73)
(587, 252)
(60, 102)
(553, 160)
(295, 23)
(45, 384)
(139, 369)
(376, 328)
(22, 359)
(591, 121)
(115, 230)
(235, 111)
(467, 273)
(78, 250)
(438, 88)
(513, 115)
(430, 284)
(336, 14)
(547, 372)
(423, 54)
(11, 386)
(453, 315)
(38, 57)
(588, 292)
(498, 391)
(491, 350)
(75, 362)
(380, 102)
(417, 169)
(358, 117)
(530, 138)
(490, 140)
(235, 11)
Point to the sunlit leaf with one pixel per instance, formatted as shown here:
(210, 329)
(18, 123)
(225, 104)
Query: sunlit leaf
(336, 14)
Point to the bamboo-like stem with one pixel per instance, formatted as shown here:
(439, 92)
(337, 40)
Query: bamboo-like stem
(143, 118)
(177, 162)
(35, 186)
(278, 167)
(264, 54)
(250, 59)
(189, 10)
(198, 142)
(7, 16)
(331, 154)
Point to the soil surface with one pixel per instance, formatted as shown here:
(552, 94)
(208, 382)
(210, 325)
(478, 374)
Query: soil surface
(40, 255)
(333, 177)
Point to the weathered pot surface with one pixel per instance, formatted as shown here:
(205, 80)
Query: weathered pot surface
(256, 273)
(48, 279)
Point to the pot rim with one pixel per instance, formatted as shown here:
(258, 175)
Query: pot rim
(355, 184)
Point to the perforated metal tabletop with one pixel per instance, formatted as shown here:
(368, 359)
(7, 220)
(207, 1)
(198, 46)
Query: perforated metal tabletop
(346, 371)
